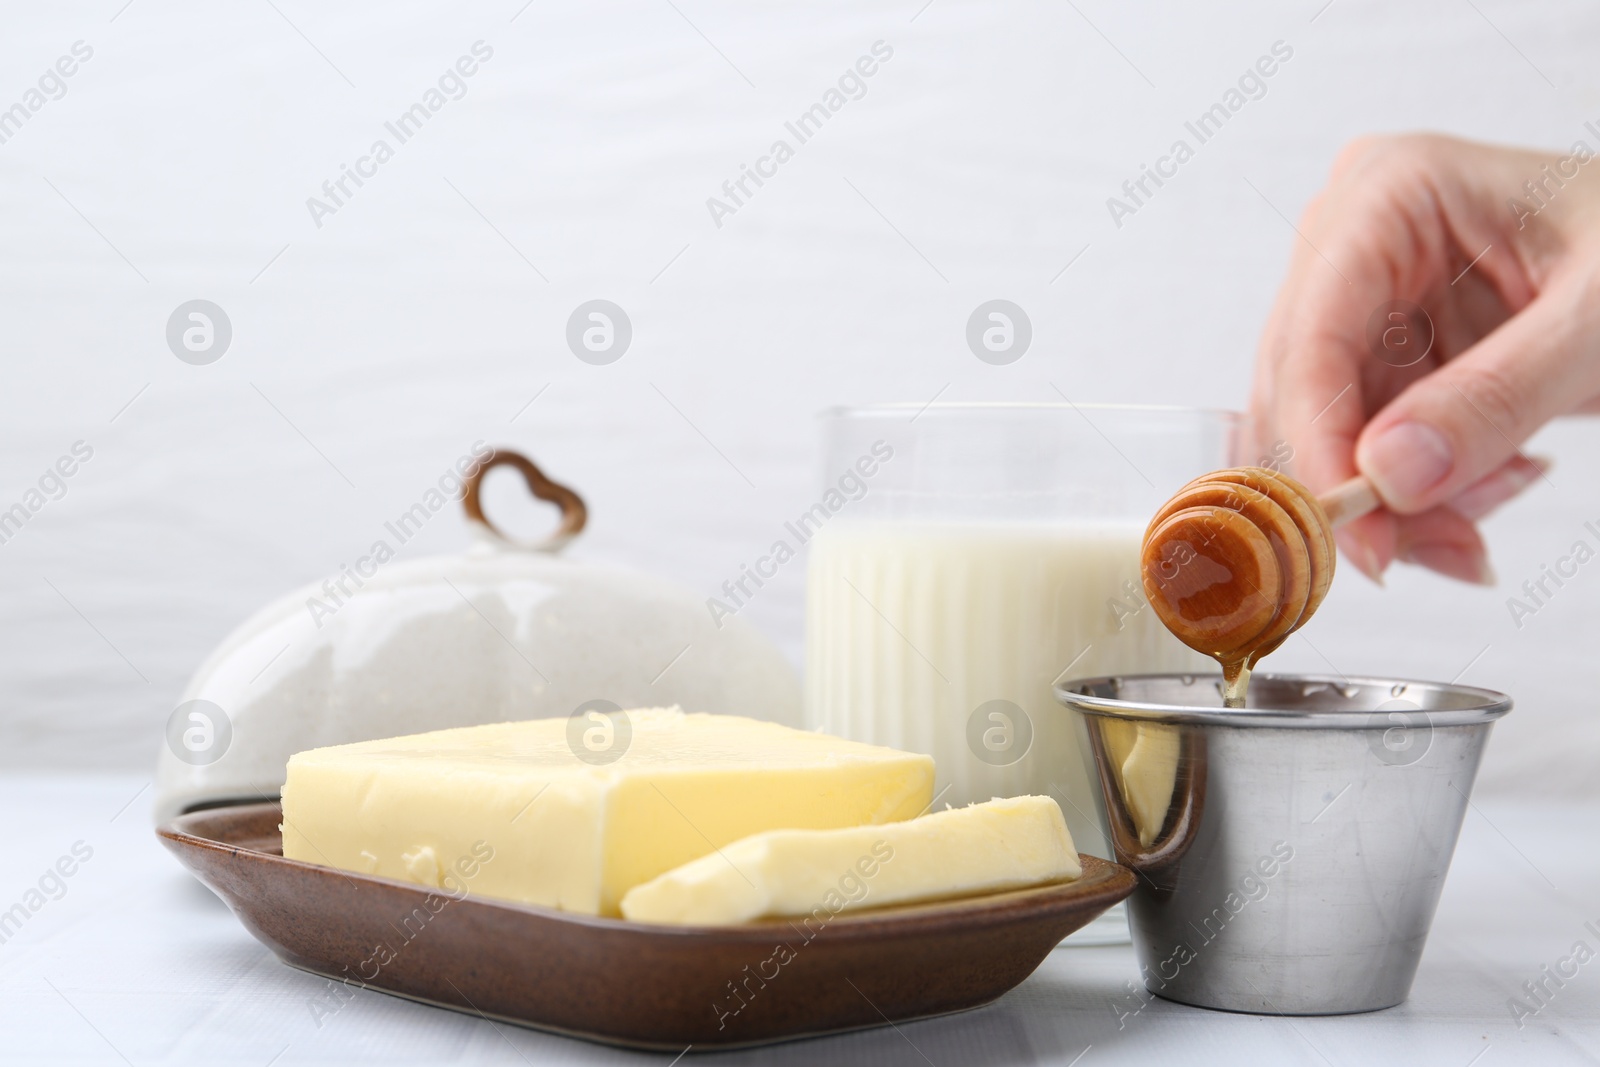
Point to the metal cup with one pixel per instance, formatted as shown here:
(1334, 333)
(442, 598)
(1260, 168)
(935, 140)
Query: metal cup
(1290, 854)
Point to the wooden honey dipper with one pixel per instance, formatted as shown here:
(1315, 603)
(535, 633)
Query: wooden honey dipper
(1239, 559)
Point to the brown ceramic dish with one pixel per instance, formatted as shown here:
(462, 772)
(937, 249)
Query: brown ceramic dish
(622, 983)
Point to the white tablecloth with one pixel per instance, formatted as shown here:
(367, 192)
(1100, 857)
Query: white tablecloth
(129, 960)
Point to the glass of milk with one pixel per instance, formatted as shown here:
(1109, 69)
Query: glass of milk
(966, 556)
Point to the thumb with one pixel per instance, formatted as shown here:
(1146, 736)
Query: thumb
(1462, 422)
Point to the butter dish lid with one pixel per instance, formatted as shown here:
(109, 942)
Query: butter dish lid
(503, 631)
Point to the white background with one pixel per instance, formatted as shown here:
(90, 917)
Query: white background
(373, 351)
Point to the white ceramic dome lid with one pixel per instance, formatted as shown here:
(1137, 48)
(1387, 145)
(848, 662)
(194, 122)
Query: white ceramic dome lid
(502, 631)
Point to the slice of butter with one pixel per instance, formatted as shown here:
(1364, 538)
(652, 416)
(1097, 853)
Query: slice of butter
(1004, 844)
(511, 811)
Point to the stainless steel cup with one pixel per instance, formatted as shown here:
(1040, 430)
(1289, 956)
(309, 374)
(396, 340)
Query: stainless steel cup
(1290, 854)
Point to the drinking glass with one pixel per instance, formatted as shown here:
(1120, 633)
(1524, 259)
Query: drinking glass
(966, 557)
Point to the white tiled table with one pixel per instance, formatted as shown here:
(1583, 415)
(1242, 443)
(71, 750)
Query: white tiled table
(138, 963)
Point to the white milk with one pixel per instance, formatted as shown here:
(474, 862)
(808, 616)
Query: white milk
(912, 627)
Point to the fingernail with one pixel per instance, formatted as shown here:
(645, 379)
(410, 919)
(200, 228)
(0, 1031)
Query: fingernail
(1452, 560)
(1365, 559)
(1405, 461)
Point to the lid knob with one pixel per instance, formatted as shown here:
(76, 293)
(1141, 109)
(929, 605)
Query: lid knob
(573, 512)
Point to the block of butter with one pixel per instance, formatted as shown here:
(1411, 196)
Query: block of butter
(573, 833)
(1004, 844)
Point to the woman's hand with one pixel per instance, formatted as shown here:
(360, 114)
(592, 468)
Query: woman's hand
(1433, 407)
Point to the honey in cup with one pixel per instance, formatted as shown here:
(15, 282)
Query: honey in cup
(1241, 558)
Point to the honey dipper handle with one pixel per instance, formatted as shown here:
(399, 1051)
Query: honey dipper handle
(1349, 500)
